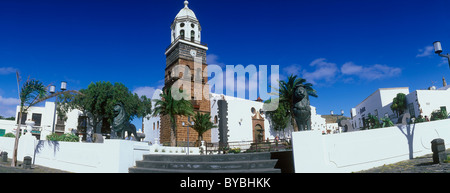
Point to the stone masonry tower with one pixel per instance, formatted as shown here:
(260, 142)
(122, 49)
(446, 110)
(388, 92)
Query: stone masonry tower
(186, 49)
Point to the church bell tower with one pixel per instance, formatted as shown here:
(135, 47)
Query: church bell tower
(187, 49)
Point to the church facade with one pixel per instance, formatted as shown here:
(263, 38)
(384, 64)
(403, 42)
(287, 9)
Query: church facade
(241, 120)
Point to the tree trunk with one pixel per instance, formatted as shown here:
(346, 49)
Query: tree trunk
(16, 142)
(173, 133)
(293, 122)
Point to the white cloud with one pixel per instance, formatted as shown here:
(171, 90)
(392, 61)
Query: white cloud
(427, 51)
(148, 91)
(444, 61)
(8, 106)
(350, 68)
(377, 71)
(214, 59)
(7, 70)
(292, 69)
(323, 71)
(9, 101)
(7, 111)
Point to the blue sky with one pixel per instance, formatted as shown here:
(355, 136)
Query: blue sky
(347, 48)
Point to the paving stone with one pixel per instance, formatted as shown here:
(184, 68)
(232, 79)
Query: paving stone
(423, 164)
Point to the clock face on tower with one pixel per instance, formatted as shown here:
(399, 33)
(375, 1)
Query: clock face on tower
(193, 53)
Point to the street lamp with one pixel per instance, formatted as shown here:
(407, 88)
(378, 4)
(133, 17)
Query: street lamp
(52, 91)
(332, 113)
(187, 128)
(438, 50)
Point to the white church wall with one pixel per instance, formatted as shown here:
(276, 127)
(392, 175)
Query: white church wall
(240, 125)
(152, 125)
(152, 128)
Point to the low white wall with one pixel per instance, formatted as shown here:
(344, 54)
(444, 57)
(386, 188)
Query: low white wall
(7, 125)
(360, 150)
(112, 156)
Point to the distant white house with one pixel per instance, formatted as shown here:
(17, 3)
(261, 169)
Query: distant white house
(377, 104)
(419, 102)
(424, 102)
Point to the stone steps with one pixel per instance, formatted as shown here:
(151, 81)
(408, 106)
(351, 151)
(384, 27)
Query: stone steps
(158, 170)
(213, 158)
(228, 163)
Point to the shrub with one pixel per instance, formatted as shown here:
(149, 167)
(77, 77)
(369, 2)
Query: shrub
(419, 119)
(64, 137)
(234, 150)
(9, 135)
(387, 122)
(438, 115)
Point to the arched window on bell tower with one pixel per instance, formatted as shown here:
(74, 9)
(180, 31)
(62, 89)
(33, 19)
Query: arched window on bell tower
(192, 35)
(182, 34)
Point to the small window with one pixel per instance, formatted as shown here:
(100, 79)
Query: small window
(192, 25)
(153, 125)
(215, 119)
(182, 34)
(181, 24)
(36, 117)
(157, 125)
(24, 118)
(253, 110)
(192, 35)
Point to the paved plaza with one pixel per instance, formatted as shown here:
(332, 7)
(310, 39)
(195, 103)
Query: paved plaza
(5, 167)
(423, 164)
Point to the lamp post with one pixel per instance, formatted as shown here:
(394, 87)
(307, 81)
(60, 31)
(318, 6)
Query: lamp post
(187, 128)
(438, 50)
(52, 90)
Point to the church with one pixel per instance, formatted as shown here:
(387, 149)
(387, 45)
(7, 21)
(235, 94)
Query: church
(239, 120)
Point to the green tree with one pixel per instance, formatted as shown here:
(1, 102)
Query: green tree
(387, 122)
(374, 122)
(31, 93)
(202, 123)
(286, 93)
(399, 104)
(280, 117)
(167, 105)
(98, 100)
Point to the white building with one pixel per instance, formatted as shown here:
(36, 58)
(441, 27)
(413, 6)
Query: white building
(424, 102)
(377, 104)
(419, 102)
(43, 118)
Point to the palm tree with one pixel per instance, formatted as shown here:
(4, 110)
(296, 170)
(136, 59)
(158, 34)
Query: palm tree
(286, 92)
(32, 92)
(202, 123)
(167, 105)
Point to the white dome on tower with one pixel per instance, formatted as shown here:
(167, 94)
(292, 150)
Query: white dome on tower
(186, 25)
(186, 12)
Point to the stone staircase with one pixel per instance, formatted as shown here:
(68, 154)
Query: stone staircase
(228, 163)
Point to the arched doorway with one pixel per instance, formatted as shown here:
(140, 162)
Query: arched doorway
(258, 134)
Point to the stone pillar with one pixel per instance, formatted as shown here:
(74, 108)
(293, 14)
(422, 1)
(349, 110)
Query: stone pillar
(438, 148)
